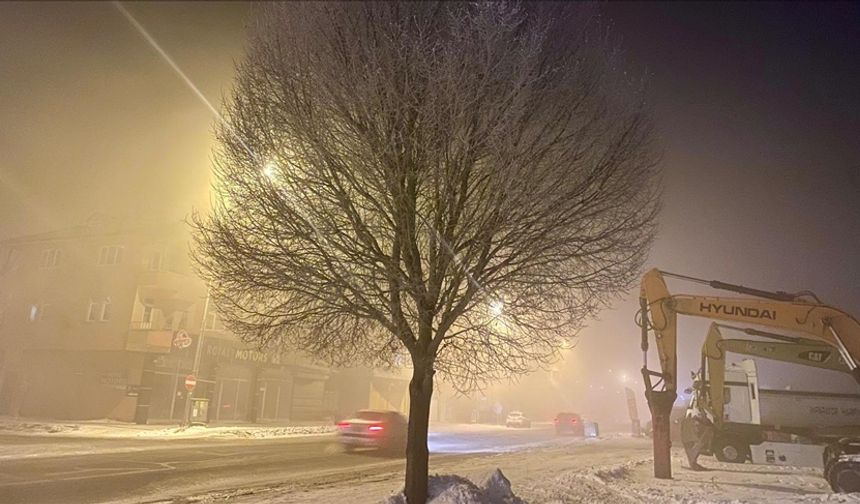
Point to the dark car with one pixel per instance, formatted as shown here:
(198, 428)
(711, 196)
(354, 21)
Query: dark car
(569, 423)
(380, 430)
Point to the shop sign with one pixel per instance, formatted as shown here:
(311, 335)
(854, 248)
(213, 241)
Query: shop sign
(242, 355)
(134, 390)
(182, 340)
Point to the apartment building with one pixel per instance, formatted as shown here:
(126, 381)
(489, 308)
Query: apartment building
(91, 324)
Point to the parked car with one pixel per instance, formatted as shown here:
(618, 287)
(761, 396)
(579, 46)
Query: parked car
(380, 430)
(517, 419)
(569, 423)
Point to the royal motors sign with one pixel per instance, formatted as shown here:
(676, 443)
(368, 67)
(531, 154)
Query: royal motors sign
(223, 352)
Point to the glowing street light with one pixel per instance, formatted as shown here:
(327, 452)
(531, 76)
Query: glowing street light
(497, 308)
(270, 170)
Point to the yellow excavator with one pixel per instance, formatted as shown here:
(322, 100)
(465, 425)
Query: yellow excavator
(800, 312)
(732, 438)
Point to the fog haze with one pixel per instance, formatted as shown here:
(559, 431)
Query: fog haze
(756, 107)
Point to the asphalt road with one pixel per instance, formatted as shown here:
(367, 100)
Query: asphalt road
(135, 470)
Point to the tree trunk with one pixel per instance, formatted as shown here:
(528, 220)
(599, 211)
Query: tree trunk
(417, 455)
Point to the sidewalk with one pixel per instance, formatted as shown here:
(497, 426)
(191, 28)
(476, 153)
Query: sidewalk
(113, 429)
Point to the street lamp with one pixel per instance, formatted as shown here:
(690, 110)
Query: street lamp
(497, 308)
(270, 170)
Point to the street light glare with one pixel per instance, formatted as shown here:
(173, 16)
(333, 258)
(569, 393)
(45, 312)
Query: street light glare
(270, 170)
(497, 308)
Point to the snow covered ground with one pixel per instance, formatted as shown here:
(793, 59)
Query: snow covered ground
(249, 432)
(55, 438)
(541, 468)
(112, 429)
(615, 470)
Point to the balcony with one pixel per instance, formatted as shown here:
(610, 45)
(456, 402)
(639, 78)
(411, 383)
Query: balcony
(169, 291)
(143, 338)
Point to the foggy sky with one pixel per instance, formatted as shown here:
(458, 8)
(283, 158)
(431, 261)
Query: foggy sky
(757, 106)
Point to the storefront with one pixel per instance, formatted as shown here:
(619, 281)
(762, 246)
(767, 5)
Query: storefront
(242, 385)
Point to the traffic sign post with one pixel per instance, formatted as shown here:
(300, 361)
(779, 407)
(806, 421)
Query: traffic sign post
(190, 382)
(198, 352)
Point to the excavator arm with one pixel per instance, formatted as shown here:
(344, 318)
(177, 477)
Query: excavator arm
(801, 351)
(800, 313)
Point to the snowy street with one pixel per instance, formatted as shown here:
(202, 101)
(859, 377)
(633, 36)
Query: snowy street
(151, 465)
(617, 469)
(222, 466)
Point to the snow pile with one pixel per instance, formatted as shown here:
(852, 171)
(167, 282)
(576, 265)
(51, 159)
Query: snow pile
(615, 472)
(38, 428)
(113, 429)
(497, 489)
(453, 489)
(199, 431)
(595, 484)
(633, 482)
(841, 498)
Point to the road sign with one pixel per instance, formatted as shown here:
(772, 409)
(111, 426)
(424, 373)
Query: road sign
(181, 339)
(190, 382)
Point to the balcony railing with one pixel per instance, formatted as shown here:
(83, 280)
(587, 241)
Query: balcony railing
(143, 338)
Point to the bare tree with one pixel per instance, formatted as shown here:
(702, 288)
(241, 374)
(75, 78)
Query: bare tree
(465, 183)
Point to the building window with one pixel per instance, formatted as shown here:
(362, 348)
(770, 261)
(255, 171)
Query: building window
(105, 310)
(50, 258)
(99, 311)
(110, 255)
(37, 312)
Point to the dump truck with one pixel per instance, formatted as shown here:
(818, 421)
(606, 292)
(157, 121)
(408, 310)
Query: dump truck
(776, 426)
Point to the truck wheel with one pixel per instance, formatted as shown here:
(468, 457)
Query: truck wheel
(844, 477)
(731, 450)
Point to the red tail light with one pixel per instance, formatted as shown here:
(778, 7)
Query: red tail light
(375, 428)
(343, 425)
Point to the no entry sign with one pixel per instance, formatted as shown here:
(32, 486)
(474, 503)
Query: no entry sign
(190, 382)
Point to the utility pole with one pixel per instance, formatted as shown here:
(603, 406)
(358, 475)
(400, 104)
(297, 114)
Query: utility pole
(195, 368)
